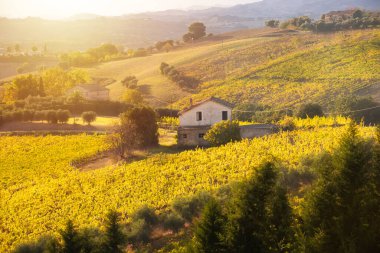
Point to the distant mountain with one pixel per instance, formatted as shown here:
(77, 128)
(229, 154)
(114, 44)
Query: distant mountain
(141, 30)
(290, 8)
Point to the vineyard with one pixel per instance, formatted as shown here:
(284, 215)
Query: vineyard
(40, 190)
(291, 70)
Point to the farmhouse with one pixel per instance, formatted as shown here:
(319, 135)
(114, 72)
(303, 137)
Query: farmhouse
(197, 119)
(90, 91)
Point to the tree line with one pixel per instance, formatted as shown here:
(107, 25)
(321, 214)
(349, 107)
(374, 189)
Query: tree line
(333, 21)
(177, 77)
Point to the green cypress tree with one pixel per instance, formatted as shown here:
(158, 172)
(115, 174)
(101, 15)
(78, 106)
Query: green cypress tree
(280, 234)
(209, 231)
(254, 224)
(71, 240)
(342, 211)
(114, 237)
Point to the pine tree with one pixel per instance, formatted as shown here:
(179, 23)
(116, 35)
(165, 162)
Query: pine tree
(209, 231)
(280, 235)
(71, 240)
(114, 238)
(342, 212)
(254, 224)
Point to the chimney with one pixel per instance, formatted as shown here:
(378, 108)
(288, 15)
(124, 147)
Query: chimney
(191, 102)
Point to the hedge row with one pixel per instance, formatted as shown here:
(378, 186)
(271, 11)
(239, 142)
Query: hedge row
(179, 78)
(51, 116)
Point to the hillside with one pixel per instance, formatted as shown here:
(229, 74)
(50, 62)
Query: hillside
(293, 70)
(278, 68)
(157, 88)
(38, 197)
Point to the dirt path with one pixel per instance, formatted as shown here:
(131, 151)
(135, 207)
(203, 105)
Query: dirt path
(98, 163)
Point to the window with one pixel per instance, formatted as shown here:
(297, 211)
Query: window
(184, 136)
(199, 116)
(201, 136)
(224, 115)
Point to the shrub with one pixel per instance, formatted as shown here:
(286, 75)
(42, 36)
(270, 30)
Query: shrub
(44, 244)
(147, 214)
(223, 132)
(17, 115)
(39, 116)
(139, 231)
(145, 120)
(310, 111)
(89, 117)
(27, 115)
(52, 116)
(63, 116)
(133, 97)
(173, 222)
(188, 208)
(287, 124)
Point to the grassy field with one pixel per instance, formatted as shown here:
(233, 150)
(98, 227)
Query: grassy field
(157, 88)
(40, 190)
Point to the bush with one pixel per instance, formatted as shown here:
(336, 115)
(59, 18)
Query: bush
(133, 97)
(44, 244)
(145, 120)
(147, 214)
(39, 116)
(63, 116)
(89, 117)
(188, 208)
(139, 231)
(287, 124)
(52, 116)
(173, 222)
(27, 115)
(223, 132)
(310, 111)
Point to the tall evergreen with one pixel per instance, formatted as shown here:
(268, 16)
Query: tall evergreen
(71, 240)
(114, 237)
(342, 211)
(280, 235)
(209, 230)
(254, 224)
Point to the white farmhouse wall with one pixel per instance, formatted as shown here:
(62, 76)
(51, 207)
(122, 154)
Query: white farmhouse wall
(211, 114)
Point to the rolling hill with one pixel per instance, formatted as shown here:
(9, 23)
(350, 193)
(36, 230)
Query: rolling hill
(278, 68)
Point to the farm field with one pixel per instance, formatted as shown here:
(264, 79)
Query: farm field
(293, 70)
(38, 197)
(9, 67)
(158, 89)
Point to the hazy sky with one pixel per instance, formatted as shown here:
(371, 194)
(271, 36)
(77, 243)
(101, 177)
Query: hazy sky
(65, 8)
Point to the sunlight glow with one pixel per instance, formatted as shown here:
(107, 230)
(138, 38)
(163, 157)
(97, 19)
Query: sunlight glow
(56, 9)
